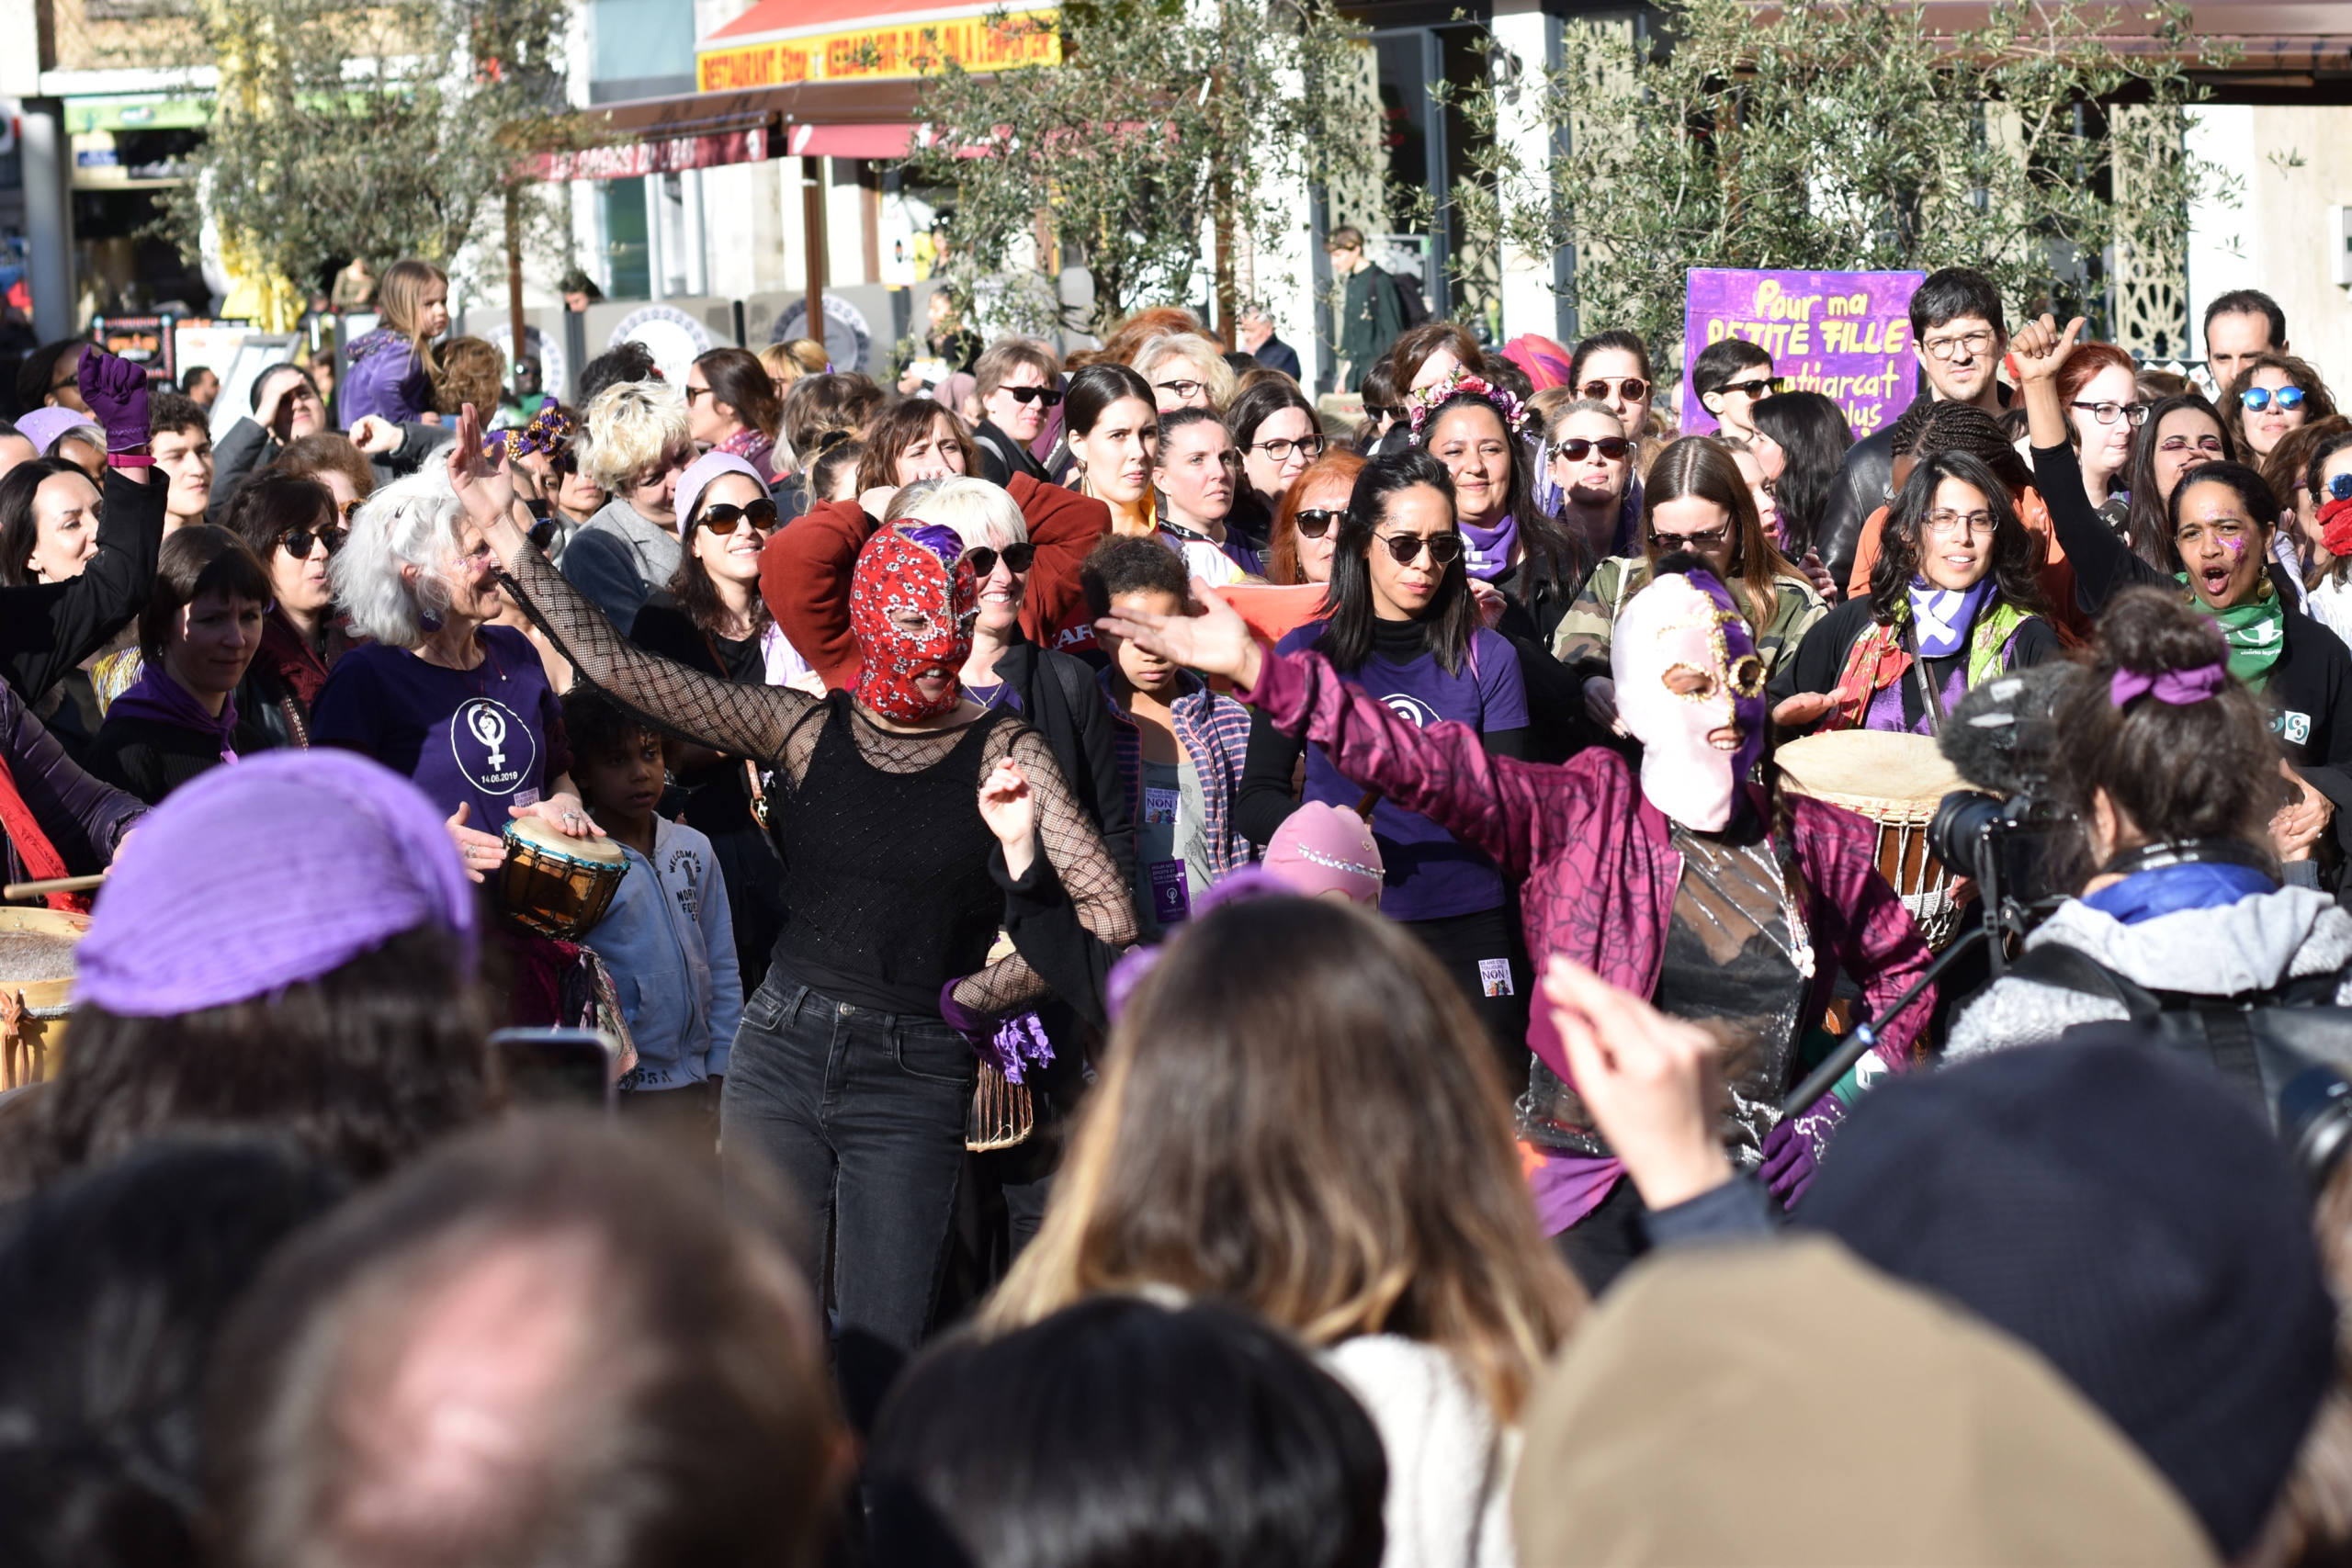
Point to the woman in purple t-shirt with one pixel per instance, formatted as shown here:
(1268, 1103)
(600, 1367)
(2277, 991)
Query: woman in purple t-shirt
(1404, 629)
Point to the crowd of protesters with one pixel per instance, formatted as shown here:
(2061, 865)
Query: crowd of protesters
(1187, 972)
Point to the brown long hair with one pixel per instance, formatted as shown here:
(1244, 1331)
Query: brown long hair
(1282, 545)
(894, 430)
(1300, 1115)
(1702, 467)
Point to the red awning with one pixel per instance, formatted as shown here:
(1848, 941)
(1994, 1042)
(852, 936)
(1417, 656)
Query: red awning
(850, 140)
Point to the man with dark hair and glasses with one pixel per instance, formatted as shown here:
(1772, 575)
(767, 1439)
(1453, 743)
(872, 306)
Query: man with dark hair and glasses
(1730, 378)
(1019, 384)
(1958, 335)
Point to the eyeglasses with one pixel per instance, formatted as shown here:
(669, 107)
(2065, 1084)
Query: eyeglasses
(1016, 556)
(1314, 522)
(2339, 487)
(1049, 396)
(1279, 450)
(1759, 387)
(1944, 348)
(2260, 397)
(297, 542)
(1576, 448)
(1182, 388)
(1406, 549)
(2105, 413)
(1962, 524)
(694, 393)
(723, 517)
(1632, 389)
(1709, 540)
(2210, 446)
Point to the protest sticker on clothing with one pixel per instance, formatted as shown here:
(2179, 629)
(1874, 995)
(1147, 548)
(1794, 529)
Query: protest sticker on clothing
(1847, 334)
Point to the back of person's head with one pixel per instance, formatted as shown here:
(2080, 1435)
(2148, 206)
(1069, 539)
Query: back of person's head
(738, 379)
(1951, 293)
(1721, 363)
(1780, 1403)
(327, 452)
(627, 429)
(472, 370)
(839, 455)
(816, 406)
(324, 990)
(1123, 564)
(114, 1284)
(2126, 1214)
(2250, 302)
(1963, 427)
(1302, 1116)
(1120, 1433)
(1156, 320)
(1903, 436)
(170, 413)
(274, 501)
(630, 361)
(200, 562)
(1811, 430)
(548, 1342)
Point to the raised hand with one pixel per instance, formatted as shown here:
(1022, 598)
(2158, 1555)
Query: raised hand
(116, 390)
(2040, 348)
(484, 487)
(1214, 642)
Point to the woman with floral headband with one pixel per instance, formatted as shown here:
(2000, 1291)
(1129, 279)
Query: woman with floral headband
(1693, 882)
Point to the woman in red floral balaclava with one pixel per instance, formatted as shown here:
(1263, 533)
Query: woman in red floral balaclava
(858, 1055)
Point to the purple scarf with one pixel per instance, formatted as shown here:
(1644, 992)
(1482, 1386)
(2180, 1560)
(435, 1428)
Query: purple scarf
(156, 695)
(1490, 548)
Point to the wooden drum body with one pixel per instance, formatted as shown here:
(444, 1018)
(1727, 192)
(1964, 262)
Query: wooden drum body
(555, 886)
(1898, 781)
(36, 965)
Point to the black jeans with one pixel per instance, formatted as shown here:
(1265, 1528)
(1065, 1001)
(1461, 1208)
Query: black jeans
(864, 1114)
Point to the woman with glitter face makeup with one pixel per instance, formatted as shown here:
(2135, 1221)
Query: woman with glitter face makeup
(1724, 900)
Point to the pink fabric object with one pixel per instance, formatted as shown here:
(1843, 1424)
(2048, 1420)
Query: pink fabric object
(214, 901)
(1688, 623)
(701, 471)
(1322, 848)
(1545, 362)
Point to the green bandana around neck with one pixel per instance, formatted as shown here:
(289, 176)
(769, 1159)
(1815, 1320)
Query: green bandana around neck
(2257, 633)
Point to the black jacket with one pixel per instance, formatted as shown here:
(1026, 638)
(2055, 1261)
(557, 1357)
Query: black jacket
(1060, 697)
(150, 759)
(1001, 456)
(47, 629)
(1862, 489)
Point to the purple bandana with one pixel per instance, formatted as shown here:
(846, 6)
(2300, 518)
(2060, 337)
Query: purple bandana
(157, 697)
(367, 859)
(2177, 687)
(1490, 548)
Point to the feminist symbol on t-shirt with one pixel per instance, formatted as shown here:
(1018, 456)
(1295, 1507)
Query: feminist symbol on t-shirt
(489, 727)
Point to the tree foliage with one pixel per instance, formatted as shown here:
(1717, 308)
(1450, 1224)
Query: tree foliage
(382, 131)
(1162, 118)
(1850, 136)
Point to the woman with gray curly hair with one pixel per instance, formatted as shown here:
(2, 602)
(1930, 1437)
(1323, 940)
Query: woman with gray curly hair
(439, 693)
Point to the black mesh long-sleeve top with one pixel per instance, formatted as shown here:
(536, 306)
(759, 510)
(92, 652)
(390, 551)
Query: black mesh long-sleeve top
(885, 856)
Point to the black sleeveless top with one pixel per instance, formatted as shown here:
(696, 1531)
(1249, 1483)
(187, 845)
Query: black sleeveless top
(886, 874)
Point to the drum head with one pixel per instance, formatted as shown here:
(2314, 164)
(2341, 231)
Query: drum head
(545, 837)
(1859, 767)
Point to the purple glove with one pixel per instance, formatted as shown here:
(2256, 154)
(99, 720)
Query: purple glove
(116, 390)
(973, 1026)
(1793, 1149)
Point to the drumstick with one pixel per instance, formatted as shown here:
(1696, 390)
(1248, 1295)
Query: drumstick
(15, 892)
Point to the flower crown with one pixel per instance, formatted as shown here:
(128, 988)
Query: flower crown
(1457, 383)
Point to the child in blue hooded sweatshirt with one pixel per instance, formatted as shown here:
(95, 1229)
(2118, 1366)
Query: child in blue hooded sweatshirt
(667, 938)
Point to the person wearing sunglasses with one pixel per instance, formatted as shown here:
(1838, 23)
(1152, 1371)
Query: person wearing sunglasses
(291, 523)
(1586, 467)
(1018, 383)
(2271, 395)
(1730, 377)
(1307, 529)
(2222, 519)
(1404, 628)
(2326, 497)
(1277, 434)
(1640, 871)
(197, 637)
(1697, 503)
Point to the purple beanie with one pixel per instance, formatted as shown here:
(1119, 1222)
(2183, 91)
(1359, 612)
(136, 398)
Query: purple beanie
(698, 478)
(44, 426)
(256, 877)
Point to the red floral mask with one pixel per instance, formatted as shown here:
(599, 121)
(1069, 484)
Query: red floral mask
(904, 573)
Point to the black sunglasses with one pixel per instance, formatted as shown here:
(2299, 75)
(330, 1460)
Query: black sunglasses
(297, 542)
(1762, 386)
(1018, 557)
(1049, 396)
(1406, 549)
(726, 514)
(1314, 522)
(1576, 447)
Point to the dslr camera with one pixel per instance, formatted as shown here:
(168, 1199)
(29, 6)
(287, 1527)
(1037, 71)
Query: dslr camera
(2002, 738)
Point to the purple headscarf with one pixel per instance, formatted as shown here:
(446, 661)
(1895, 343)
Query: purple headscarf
(254, 878)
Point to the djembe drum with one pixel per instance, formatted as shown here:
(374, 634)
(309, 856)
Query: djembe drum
(36, 989)
(556, 886)
(1896, 780)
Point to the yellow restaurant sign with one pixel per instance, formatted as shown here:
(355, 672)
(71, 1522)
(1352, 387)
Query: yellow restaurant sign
(1027, 38)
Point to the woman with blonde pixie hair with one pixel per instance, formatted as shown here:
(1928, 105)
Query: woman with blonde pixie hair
(1186, 371)
(635, 442)
(1299, 1115)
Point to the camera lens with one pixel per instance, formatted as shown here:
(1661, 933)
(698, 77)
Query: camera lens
(1957, 831)
(2315, 1120)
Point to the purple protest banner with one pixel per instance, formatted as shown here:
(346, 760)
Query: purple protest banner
(1843, 333)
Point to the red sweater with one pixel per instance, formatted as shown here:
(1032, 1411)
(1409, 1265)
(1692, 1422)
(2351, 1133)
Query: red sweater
(806, 569)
